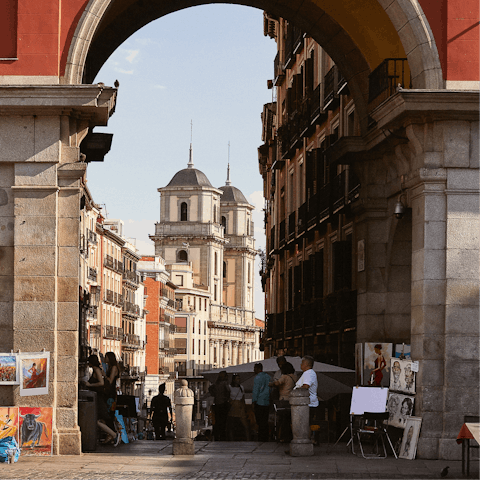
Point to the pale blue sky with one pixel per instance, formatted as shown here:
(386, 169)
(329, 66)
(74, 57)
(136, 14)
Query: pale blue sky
(207, 64)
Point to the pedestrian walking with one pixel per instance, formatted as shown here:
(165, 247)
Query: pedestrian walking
(161, 406)
(221, 394)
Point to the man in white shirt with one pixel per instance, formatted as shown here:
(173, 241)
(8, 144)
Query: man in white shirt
(309, 380)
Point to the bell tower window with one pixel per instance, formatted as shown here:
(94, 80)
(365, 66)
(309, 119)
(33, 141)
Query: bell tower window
(183, 212)
(182, 256)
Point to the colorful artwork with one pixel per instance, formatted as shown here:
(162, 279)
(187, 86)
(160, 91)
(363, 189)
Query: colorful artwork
(377, 364)
(400, 408)
(9, 373)
(36, 431)
(34, 369)
(408, 448)
(9, 422)
(403, 350)
(402, 378)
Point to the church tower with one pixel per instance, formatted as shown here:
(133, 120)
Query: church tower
(189, 230)
(239, 253)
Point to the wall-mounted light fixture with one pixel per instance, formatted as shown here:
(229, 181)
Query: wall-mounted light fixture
(400, 208)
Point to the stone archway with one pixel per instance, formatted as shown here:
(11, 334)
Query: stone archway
(403, 29)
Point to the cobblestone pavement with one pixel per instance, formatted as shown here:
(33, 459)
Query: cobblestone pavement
(147, 460)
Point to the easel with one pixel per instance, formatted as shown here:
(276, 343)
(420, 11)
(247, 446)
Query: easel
(365, 399)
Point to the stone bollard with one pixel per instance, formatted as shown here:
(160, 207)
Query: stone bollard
(301, 445)
(183, 443)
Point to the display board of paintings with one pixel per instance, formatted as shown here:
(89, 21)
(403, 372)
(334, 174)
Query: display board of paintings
(35, 431)
(402, 378)
(377, 364)
(400, 408)
(408, 449)
(9, 372)
(34, 371)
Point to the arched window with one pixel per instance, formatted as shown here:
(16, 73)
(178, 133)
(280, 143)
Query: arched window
(214, 214)
(215, 269)
(224, 223)
(183, 212)
(182, 256)
(224, 269)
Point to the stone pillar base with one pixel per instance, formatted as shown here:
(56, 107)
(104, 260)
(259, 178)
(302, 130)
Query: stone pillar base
(183, 446)
(67, 441)
(301, 448)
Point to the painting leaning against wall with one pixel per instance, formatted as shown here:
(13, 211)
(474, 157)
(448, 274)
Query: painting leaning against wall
(36, 431)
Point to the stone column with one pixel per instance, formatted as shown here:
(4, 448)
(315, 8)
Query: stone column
(210, 359)
(183, 443)
(301, 445)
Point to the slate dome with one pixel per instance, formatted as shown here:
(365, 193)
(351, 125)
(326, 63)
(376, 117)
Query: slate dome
(189, 177)
(232, 194)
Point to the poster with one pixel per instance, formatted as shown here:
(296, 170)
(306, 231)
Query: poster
(9, 372)
(402, 377)
(377, 364)
(34, 368)
(408, 448)
(36, 431)
(400, 408)
(9, 422)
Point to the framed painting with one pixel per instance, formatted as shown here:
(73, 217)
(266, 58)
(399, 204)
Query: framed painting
(400, 408)
(34, 373)
(376, 369)
(402, 378)
(9, 422)
(36, 430)
(411, 433)
(402, 350)
(9, 372)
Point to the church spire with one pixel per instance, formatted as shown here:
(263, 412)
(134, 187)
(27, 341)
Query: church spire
(190, 159)
(228, 182)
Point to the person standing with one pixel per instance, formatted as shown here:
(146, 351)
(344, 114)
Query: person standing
(221, 394)
(161, 406)
(237, 414)
(261, 401)
(309, 381)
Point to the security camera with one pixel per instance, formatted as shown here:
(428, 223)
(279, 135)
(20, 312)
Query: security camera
(399, 210)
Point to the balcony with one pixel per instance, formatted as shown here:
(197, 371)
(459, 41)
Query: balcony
(109, 296)
(163, 344)
(272, 239)
(131, 308)
(188, 229)
(278, 71)
(92, 274)
(109, 332)
(329, 89)
(130, 340)
(130, 276)
(302, 218)
(91, 236)
(108, 262)
(384, 80)
(95, 330)
(118, 299)
(297, 40)
(291, 226)
(92, 312)
(281, 234)
(289, 323)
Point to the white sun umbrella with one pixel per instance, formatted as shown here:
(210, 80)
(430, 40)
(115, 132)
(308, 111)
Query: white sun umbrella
(332, 380)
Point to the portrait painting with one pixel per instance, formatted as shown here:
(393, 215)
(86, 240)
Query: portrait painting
(36, 431)
(9, 372)
(411, 433)
(359, 364)
(34, 368)
(9, 422)
(377, 364)
(400, 408)
(402, 378)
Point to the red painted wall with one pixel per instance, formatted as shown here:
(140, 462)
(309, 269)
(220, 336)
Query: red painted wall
(44, 30)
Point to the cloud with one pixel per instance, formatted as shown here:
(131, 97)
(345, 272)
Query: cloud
(146, 41)
(121, 70)
(131, 55)
(160, 87)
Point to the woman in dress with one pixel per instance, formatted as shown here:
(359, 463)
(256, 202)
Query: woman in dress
(237, 411)
(96, 383)
(111, 377)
